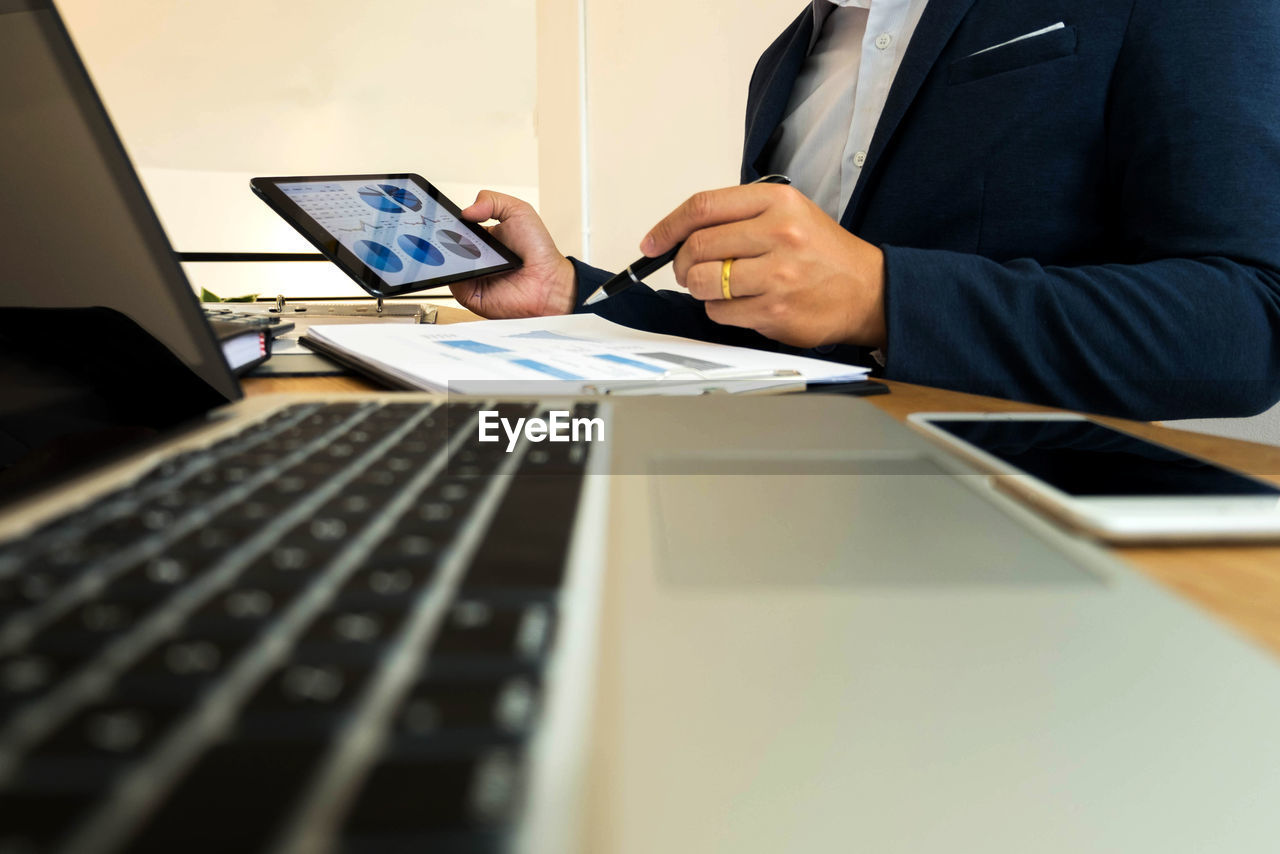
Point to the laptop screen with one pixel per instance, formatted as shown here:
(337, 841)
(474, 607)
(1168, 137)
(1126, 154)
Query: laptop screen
(102, 341)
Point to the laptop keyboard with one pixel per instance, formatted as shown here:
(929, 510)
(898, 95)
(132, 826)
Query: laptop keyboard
(248, 318)
(300, 638)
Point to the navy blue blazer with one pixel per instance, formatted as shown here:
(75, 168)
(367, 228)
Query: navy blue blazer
(1089, 218)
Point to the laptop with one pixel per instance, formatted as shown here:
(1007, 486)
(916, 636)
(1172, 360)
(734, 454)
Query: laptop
(310, 624)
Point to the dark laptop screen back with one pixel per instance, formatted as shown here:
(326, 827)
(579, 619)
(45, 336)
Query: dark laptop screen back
(102, 342)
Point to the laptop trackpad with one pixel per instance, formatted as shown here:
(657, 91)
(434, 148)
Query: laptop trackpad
(847, 520)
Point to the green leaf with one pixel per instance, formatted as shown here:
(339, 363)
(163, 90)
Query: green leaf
(207, 295)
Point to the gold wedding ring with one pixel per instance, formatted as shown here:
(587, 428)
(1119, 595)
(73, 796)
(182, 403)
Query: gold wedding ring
(724, 278)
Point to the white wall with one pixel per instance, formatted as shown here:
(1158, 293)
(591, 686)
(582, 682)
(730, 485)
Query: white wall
(475, 94)
(663, 87)
(483, 93)
(561, 117)
(207, 94)
(666, 97)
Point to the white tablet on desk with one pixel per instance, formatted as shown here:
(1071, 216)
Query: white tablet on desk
(1110, 484)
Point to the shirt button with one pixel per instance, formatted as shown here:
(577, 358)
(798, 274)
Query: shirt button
(859, 159)
(884, 40)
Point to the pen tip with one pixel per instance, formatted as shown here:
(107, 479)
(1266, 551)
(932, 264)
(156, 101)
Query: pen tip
(596, 297)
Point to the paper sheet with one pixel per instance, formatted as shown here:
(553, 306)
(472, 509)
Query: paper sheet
(574, 354)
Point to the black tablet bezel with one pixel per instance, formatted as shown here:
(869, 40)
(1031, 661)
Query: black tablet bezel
(366, 277)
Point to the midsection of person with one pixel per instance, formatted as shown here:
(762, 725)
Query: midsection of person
(1032, 202)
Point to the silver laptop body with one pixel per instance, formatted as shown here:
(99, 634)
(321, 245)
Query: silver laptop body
(813, 636)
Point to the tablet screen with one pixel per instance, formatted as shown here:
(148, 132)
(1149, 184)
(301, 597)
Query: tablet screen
(390, 232)
(1085, 459)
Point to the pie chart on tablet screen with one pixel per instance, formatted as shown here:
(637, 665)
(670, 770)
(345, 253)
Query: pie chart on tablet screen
(458, 245)
(378, 256)
(374, 198)
(420, 250)
(401, 195)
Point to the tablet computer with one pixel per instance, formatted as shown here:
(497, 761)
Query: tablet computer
(1113, 485)
(394, 234)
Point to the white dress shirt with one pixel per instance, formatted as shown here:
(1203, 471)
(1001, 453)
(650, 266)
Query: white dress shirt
(854, 55)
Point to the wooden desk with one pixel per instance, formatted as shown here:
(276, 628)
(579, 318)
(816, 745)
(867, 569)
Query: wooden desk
(1239, 584)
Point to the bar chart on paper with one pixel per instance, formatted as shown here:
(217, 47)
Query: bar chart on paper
(573, 354)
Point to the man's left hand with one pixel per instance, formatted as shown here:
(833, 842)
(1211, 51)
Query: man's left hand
(797, 276)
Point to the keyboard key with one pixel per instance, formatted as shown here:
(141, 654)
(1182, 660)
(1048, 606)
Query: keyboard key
(154, 581)
(112, 729)
(204, 546)
(455, 707)
(352, 506)
(90, 626)
(248, 515)
(29, 675)
(406, 545)
(425, 794)
(311, 698)
(243, 611)
(460, 491)
(446, 842)
(300, 687)
(25, 675)
(89, 751)
(347, 636)
(301, 551)
(234, 799)
(282, 571)
(128, 529)
(379, 479)
(31, 821)
(20, 592)
(180, 669)
(183, 497)
(535, 520)
(394, 586)
(476, 628)
(72, 556)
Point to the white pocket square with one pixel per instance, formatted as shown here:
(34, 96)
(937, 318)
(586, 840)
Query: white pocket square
(1058, 26)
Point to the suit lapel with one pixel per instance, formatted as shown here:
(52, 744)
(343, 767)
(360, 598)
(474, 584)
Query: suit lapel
(767, 101)
(937, 24)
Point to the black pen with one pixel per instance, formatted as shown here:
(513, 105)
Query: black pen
(648, 266)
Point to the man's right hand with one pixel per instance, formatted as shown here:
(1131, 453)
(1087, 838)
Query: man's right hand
(546, 284)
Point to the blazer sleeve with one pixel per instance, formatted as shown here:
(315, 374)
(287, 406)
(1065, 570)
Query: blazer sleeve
(664, 311)
(1187, 327)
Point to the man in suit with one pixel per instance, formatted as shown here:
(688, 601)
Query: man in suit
(1068, 203)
